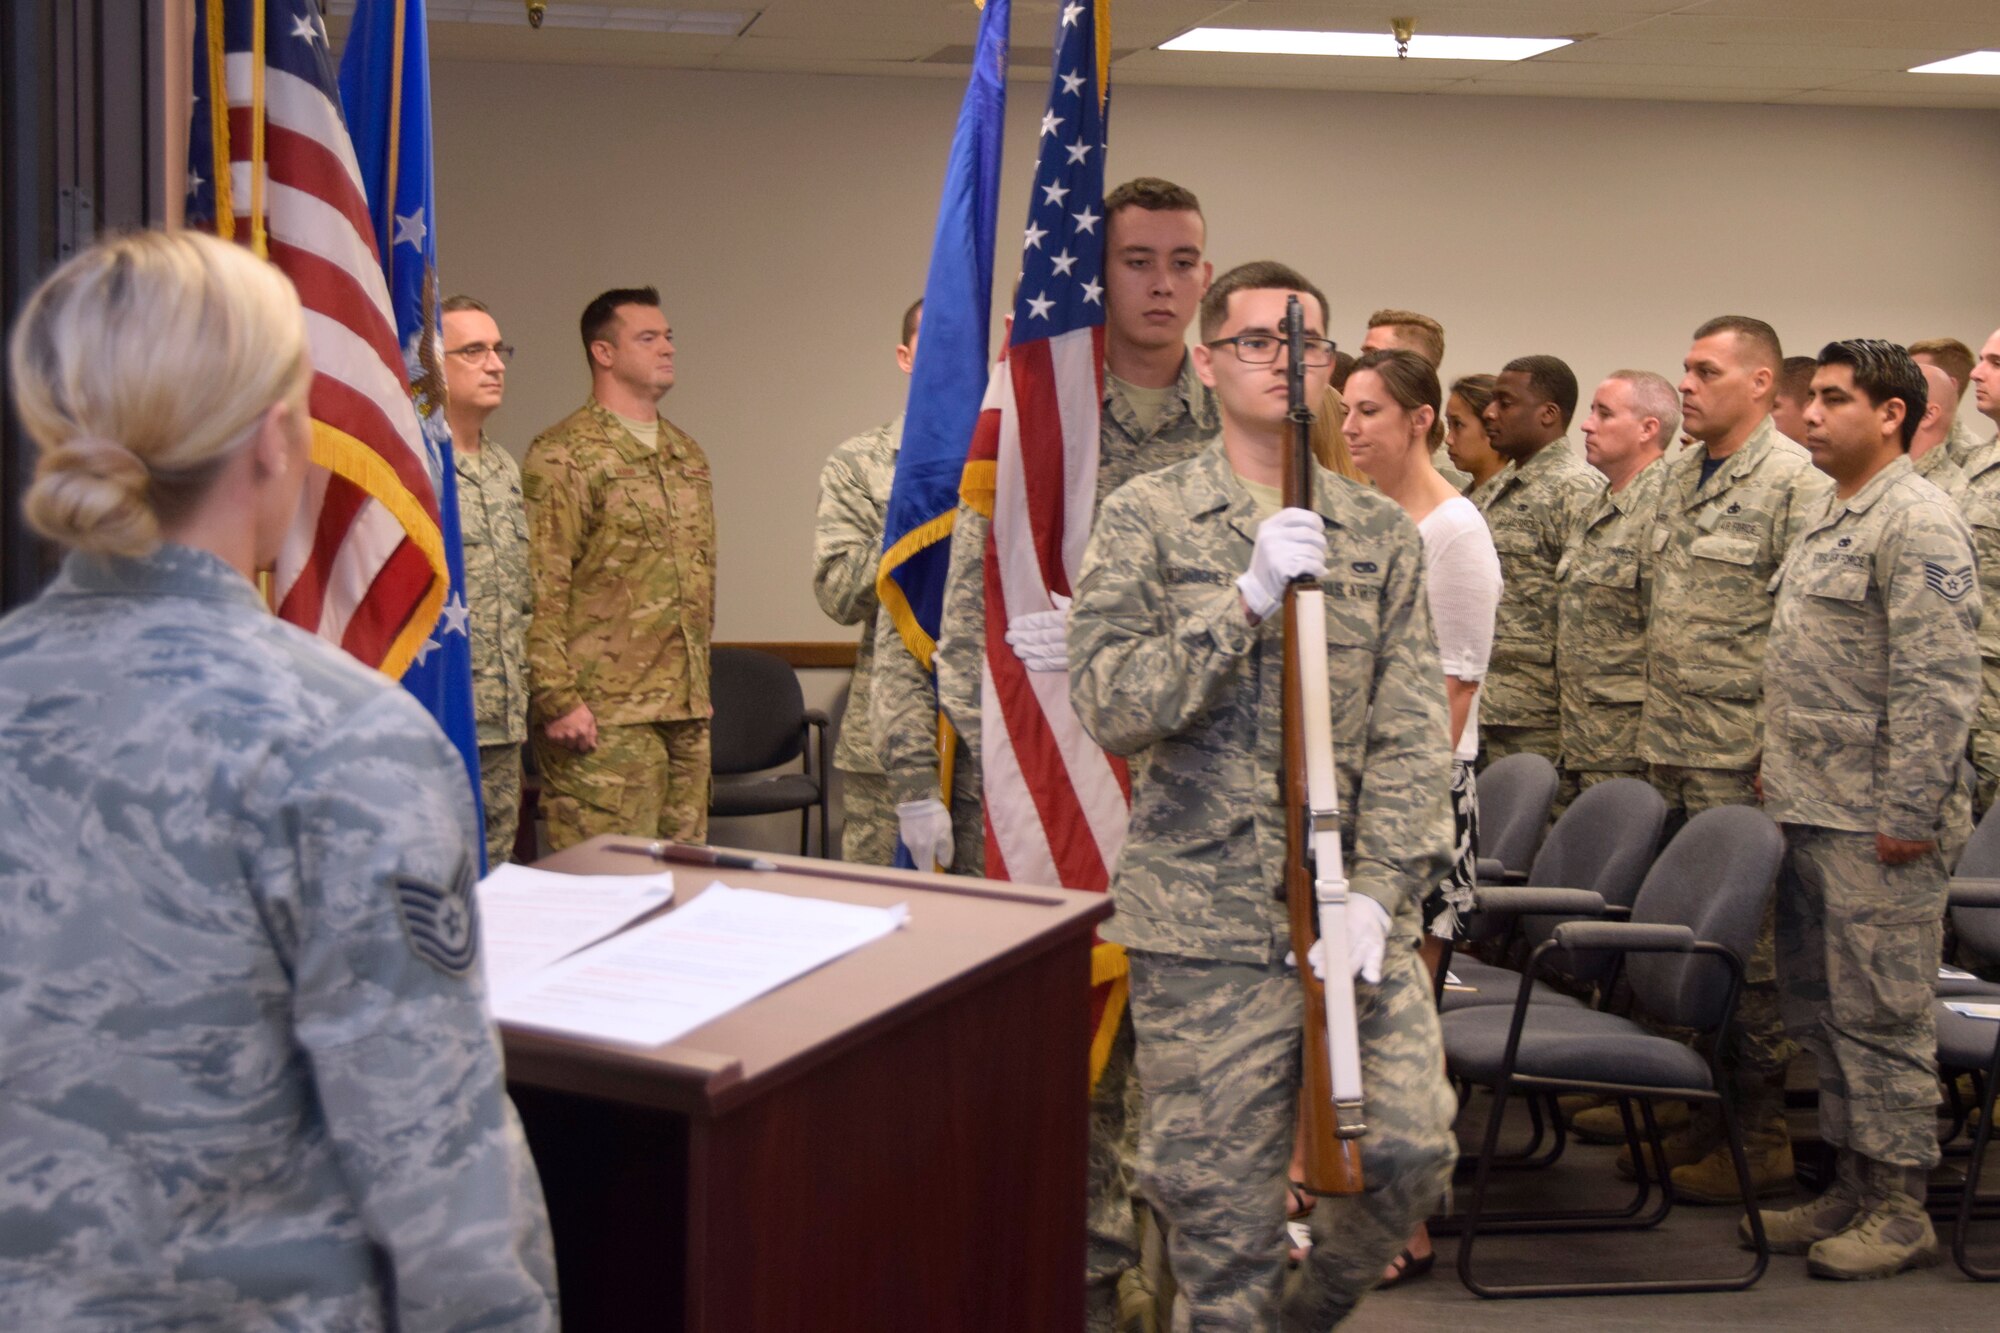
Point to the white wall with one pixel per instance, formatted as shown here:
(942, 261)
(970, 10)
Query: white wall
(787, 221)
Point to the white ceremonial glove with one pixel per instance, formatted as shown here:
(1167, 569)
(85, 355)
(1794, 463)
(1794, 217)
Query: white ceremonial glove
(1041, 638)
(1290, 542)
(925, 828)
(1367, 939)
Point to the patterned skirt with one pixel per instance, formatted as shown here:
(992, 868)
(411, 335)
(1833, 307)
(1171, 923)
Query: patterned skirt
(1453, 896)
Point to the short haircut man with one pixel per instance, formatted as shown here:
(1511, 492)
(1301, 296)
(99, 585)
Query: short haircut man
(1654, 395)
(498, 593)
(1171, 608)
(621, 519)
(1551, 380)
(1258, 275)
(1794, 391)
(1950, 355)
(1152, 194)
(1408, 330)
(600, 317)
(1873, 639)
(1728, 511)
(1883, 371)
(910, 318)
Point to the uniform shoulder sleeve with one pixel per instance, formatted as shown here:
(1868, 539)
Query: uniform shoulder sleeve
(374, 833)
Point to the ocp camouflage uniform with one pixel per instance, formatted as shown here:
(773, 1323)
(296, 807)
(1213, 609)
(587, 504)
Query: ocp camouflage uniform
(1531, 509)
(622, 547)
(1981, 505)
(250, 1082)
(1937, 468)
(1872, 674)
(1602, 585)
(493, 525)
(1716, 547)
(1128, 446)
(1166, 668)
(847, 551)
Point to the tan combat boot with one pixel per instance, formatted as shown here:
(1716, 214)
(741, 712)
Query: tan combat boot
(1794, 1230)
(1891, 1232)
(1682, 1147)
(1603, 1124)
(1768, 1150)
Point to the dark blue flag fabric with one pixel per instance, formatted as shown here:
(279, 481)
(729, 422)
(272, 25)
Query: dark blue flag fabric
(948, 381)
(385, 91)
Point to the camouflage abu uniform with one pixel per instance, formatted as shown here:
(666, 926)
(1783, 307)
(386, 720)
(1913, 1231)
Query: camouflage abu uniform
(1937, 468)
(1962, 444)
(1127, 448)
(1601, 592)
(1981, 504)
(1532, 509)
(622, 546)
(1166, 668)
(1872, 674)
(250, 1078)
(501, 598)
(847, 551)
(1716, 547)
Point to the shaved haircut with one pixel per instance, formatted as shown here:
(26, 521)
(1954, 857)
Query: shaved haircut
(1754, 335)
(1424, 335)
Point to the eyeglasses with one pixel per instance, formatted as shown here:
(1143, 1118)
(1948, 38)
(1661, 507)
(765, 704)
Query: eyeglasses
(1261, 349)
(474, 353)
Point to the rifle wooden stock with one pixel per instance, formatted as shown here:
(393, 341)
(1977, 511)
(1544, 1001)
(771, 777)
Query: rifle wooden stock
(1332, 1149)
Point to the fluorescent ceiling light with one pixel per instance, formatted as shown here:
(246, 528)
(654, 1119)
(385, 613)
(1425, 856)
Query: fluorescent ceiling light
(1972, 62)
(1423, 46)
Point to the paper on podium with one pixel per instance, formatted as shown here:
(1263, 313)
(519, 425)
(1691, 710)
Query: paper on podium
(663, 979)
(531, 918)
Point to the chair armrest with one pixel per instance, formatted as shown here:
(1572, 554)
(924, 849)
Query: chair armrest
(1489, 869)
(1535, 900)
(817, 717)
(1617, 911)
(1628, 936)
(1971, 892)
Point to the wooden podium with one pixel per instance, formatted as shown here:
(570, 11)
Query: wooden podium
(893, 1142)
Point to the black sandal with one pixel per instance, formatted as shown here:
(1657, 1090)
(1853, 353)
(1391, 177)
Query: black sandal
(1410, 1268)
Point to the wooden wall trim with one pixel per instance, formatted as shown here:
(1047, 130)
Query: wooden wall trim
(807, 656)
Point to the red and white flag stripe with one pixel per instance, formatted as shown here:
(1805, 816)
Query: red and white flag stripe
(1056, 803)
(349, 569)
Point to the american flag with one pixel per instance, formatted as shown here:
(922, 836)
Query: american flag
(270, 165)
(1055, 803)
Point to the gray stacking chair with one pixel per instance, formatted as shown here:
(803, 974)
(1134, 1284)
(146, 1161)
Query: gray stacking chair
(1977, 928)
(1694, 921)
(1605, 843)
(761, 723)
(1515, 796)
(1971, 1046)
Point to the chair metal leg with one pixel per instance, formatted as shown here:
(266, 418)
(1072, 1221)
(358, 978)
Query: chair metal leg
(1968, 1197)
(1629, 1219)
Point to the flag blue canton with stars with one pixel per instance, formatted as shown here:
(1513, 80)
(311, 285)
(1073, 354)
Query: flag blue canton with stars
(1062, 253)
(395, 155)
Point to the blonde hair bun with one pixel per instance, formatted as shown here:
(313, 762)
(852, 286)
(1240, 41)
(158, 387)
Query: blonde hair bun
(91, 493)
(139, 369)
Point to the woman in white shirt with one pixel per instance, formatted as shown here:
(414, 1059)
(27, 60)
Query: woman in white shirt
(1392, 405)
(1392, 401)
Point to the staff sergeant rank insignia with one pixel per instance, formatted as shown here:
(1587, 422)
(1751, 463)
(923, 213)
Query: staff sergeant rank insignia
(442, 922)
(1950, 584)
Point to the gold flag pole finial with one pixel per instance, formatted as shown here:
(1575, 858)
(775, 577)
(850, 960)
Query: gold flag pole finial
(1403, 30)
(536, 10)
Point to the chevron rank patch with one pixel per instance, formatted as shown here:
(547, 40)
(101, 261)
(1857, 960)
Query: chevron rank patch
(1950, 584)
(440, 921)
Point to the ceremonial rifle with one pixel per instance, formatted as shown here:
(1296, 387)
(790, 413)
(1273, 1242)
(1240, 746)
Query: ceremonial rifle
(1315, 877)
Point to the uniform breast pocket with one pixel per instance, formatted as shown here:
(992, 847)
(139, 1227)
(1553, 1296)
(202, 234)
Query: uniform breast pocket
(1984, 517)
(635, 508)
(1841, 623)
